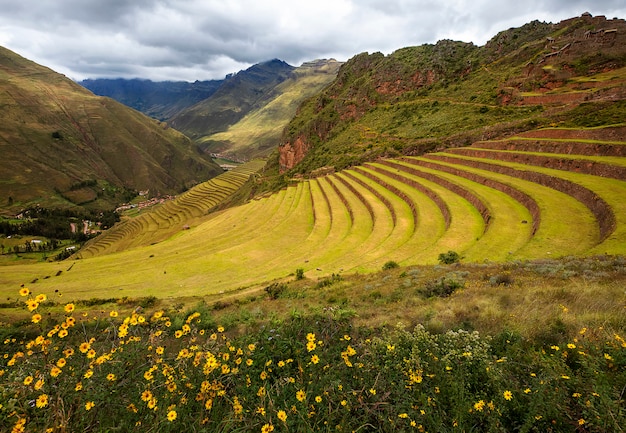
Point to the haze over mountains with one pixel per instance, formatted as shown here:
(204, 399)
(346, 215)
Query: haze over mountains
(160, 99)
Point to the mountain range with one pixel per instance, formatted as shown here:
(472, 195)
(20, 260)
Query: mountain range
(160, 99)
(240, 117)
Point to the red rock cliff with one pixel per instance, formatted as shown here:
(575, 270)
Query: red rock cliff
(292, 153)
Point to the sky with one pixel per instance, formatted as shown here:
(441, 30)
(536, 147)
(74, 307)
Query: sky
(188, 40)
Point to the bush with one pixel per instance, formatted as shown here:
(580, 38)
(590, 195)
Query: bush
(449, 258)
(328, 281)
(275, 290)
(390, 265)
(501, 280)
(299, 274)
(442, 288)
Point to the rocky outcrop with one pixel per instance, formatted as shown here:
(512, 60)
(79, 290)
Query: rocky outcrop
(291, 153)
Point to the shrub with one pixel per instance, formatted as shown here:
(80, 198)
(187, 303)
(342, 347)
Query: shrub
(442, 287)
(390, 265)
(299, 274)
(449, 258)
(501, 280)
(275, 290)
(328, 281)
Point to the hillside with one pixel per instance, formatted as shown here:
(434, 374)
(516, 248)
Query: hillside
(160, 100)
(239, 94)
(418, 99)
(63, 147)
(244, 118)
(260, 130)
(486, 198)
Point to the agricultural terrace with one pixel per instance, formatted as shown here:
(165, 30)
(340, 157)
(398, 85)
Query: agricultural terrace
(167, 219)
(493, 201)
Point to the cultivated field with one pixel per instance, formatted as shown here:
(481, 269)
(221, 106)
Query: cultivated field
(503, 200)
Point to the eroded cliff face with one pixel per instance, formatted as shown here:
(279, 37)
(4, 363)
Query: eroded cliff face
(292, 152)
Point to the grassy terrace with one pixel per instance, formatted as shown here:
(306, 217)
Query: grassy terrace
(408, 210)
(165, 220)
(559, 212)
(610, 190)
(500, 226)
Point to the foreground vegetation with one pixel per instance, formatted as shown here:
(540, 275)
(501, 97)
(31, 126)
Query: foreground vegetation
(530, 346)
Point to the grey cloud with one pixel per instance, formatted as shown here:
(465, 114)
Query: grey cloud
(202, 39)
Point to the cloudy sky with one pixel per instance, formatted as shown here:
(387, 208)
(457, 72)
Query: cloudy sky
(206, 39)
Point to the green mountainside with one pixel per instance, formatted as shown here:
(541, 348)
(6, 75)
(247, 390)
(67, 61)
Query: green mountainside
(64, 147)
(418, 99)
(239, 94)
(245, 117)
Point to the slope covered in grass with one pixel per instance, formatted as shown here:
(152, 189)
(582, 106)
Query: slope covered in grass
(64, 147)
(536, 346)
(408, 210)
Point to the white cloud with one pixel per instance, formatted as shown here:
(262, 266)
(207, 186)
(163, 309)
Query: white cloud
(203, 39)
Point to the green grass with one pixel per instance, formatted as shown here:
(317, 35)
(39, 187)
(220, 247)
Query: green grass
(504, 234)
(169, 218)
(559, 212)
(611, 190)
(542, 351)
(347, 222)
(605, 160)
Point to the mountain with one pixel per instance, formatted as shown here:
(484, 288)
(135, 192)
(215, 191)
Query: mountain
(453, 93)
(160, 100)
(62, 146)
(239, 94)
(241, 117)
(259, 131)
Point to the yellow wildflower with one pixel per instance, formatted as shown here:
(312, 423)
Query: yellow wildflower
(267, 428)
(282, 415)
(171, 415)
(42, 401)
(301, 395)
